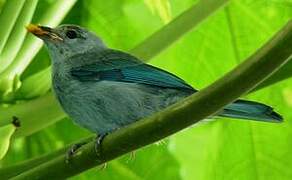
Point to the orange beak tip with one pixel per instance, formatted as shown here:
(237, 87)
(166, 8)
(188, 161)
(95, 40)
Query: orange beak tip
(32, 28)
(36, 30)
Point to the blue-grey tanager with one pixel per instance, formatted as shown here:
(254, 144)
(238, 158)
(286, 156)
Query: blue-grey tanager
(103, 89)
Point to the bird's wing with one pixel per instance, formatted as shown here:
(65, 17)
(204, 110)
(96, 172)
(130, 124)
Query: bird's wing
(118, 66)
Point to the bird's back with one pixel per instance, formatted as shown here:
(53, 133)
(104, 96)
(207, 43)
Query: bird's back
(107, 105)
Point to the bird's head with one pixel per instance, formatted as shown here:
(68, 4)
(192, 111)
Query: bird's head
(67, 40)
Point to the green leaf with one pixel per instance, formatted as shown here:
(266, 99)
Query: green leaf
(35, 85)
(170, 33)
(8, 17)
(225, 148)
(2, 2)
(17, 35)
(252, 14)
(6, 133)
(9, 79)
(161, 7)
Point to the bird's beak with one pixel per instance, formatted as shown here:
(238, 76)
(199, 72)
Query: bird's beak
(43, 32)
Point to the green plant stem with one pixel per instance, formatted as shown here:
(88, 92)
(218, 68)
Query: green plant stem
(283, 73)
(14, 170)
(178, 116)
(163, 38)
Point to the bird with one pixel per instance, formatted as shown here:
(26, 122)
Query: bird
(103, 89)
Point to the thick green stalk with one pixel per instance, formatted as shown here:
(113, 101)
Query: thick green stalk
(163, 38)
(283, 73)
(8, 17)
(180, 115)
(14, 170)
(17, 35)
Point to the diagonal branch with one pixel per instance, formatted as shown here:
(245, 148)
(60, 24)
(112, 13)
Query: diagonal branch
(181, 115)
(16, 169)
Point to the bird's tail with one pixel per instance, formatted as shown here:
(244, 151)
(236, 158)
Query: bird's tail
(243, 109)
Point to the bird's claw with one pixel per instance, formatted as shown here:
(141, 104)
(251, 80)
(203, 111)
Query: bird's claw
(103, 166)
(132, 156)
(73, 150)
(99, 140)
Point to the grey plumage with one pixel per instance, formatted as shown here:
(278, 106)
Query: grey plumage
(103, 89)
(107, 105)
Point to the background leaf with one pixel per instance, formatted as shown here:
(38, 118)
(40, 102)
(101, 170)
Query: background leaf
(5, 136)
(17, 34)
(10, 78)
(162, 7)
(8, 17)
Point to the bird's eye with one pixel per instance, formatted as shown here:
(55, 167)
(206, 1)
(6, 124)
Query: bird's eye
(71, 34)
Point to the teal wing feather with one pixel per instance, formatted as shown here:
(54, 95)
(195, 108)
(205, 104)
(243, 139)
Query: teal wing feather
(122, 67)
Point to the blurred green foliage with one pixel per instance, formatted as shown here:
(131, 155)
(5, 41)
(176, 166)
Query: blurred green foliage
(219, 149)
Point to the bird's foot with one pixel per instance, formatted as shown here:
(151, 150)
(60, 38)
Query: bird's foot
(132, 156)
(73, 150)
(99, 140)
(103, 166)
